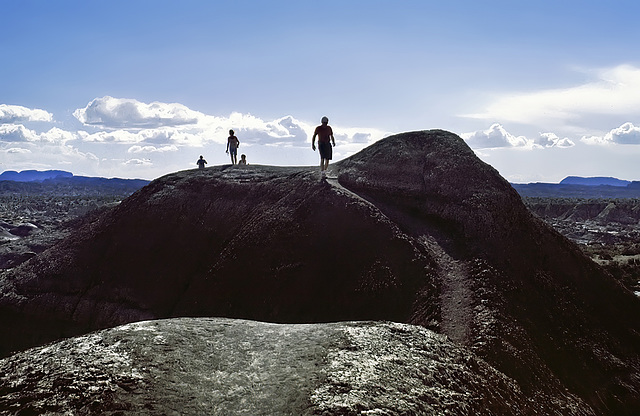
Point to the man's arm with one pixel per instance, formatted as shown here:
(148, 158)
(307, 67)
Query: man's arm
(313, 140)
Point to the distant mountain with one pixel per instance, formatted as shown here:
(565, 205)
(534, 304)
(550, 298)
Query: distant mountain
(580, 187)
(556, 190)
(594, 181)
(61, 183)
(33, 175)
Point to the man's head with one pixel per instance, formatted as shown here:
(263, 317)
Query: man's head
(325, 120)
(230, 132)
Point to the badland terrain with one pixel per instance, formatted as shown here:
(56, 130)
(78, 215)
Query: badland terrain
(415, 281)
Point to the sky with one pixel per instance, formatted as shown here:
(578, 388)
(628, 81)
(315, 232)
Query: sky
(540, 89)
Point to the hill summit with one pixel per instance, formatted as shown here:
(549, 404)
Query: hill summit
(413, 229)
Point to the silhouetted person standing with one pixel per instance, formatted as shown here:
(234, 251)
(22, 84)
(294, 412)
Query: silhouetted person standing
(325, 137)
(201, 162)
(232, 147)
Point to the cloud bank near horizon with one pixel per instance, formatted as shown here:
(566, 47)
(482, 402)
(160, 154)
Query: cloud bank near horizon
(496, 136)
(126, 137)
(152, 137)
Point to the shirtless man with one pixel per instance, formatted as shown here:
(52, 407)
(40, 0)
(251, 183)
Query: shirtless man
(325, 137)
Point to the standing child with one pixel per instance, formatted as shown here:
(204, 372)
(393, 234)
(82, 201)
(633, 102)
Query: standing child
(232, 147)
(201, 162)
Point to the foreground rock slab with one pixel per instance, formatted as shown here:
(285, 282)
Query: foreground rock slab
(193, 366)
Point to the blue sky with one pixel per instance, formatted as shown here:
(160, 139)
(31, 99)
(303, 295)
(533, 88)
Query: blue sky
(540, 90)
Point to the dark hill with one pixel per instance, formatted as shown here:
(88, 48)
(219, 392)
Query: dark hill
(414, 229)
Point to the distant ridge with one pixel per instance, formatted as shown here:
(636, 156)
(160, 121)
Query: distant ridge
(581, 187)
(57, 182)
(33, 175)
(593, 181)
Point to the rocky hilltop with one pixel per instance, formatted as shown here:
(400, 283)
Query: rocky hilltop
(413, 229)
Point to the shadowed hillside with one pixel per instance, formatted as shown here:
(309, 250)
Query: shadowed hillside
(414, 229)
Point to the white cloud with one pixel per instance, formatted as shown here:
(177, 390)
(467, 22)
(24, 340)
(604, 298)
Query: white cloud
(56, 135)
(17, 150)
(494, 137)
(552, 140)
(152, 149)
(19, 114)
(17, 133)
(614, 91)
(285, 131)
(121, 113)
(128, 138)
(138, 162)
(160, 125)
(627, 133)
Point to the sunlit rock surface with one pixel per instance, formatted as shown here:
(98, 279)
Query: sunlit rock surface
(196, 366)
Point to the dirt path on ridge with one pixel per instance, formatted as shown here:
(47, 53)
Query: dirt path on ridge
(456, 297)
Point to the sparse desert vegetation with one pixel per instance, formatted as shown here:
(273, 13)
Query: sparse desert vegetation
(607, 230)
(32, 221)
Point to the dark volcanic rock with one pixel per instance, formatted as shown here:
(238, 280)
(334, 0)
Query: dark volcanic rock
(197, 366)
(415, 229)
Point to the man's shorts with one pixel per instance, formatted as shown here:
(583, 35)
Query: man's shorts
(233, 151)
(325, 149)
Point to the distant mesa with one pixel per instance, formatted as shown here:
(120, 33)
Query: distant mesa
(593, 181)
(33, 175)
(58, 182)
(415, 229)
(581, 187)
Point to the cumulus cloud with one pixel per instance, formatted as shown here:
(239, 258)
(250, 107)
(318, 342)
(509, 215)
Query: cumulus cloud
(285, 131)
(19, 114)
(495, 136)
(160, 136)
(20, 133)
(56, 135)
(121, 113)
(614, 91)
(627, 133)
(155, 126)
(552, 140)
(152, 149)
(138, 162)
(17, 133)
(17, 150)
(125, 137)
